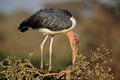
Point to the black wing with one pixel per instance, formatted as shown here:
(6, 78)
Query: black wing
(53, 19)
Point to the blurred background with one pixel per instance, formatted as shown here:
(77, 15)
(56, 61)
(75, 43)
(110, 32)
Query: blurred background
(98, 22)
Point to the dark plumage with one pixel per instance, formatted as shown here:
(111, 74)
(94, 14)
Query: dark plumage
(52, 19)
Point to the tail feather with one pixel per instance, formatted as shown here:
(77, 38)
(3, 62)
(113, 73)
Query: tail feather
(23, 27)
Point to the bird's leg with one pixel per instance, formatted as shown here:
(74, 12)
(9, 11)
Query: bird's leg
(41, 48)
(50, 54)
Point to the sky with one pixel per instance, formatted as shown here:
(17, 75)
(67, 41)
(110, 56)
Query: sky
(27, 5)
(33, 5)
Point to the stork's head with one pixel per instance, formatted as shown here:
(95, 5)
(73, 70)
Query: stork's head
(74, 40)
(67, 13)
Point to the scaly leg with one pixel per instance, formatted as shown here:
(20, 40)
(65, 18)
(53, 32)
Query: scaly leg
(50, 54)
(41, 48)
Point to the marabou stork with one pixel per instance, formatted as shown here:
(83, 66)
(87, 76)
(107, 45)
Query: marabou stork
(52, 22)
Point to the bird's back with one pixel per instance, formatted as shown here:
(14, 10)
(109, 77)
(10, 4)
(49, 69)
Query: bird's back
(52, 19)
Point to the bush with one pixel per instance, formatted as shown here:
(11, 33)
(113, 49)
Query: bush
(93, 68)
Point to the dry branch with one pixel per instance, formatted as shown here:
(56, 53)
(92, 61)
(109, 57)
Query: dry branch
(94, 68)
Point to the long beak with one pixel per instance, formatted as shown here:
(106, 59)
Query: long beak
(73, 38)
(74, 54)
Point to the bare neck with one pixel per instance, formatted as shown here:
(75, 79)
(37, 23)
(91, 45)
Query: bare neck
(73, 38)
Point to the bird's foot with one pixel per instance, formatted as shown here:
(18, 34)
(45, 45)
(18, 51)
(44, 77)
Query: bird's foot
(50, 69)
(41, 68)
